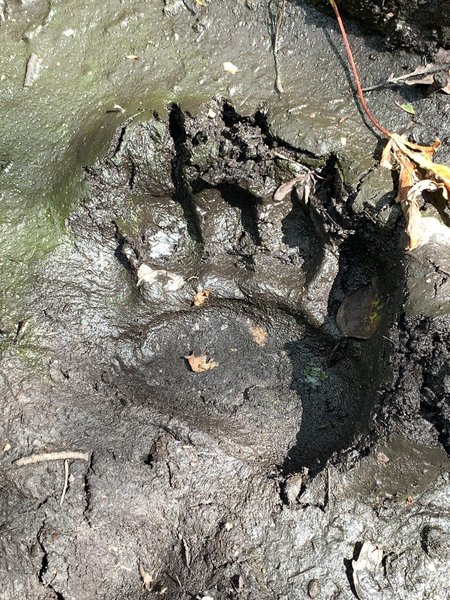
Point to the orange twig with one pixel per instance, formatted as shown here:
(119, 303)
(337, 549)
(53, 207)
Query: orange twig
(348, 49)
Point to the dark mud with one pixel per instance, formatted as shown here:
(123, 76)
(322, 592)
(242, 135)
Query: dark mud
(235, 482)
(263, 477)
(422, 25)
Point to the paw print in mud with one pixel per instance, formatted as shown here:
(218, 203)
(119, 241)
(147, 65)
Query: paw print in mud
(195, 207)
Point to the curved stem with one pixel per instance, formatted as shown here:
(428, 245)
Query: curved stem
(351, 60)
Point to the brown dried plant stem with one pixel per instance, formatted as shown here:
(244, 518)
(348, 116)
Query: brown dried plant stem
(359, 89)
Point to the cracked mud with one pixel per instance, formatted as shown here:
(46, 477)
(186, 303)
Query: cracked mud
(268, 476)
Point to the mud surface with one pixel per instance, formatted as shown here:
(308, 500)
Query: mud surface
(422, 25)
(229, 483)
(266, 476)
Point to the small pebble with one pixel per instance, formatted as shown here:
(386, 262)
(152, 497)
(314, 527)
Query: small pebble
(314, 588)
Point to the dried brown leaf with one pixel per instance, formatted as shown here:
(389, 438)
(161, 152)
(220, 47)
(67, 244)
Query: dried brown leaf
(147, 579)
(201, 363)
(286, 188)
(259, 335)
(418, 173)
(422, 75)
(200, 297)
(422, 157)
(386, 157)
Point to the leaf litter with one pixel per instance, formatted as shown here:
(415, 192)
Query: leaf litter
(146, 578)
(200, 363)
(304, 184)
(200, 297)
(364, 569)
(417, 171)
(259, 334)
(407, 107)
(436, 73)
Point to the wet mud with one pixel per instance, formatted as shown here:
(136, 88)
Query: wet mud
(423, 25)
(247, 480)
(274, 470)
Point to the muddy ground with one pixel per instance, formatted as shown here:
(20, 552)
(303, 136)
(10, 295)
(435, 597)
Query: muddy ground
(423, 24)
(302, 451)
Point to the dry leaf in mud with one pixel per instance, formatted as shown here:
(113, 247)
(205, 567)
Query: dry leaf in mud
(413, 161)
(305, 184)
(174, 282)
(418, 173)
(364, 568)
(201, 363)
(32, 70)
(382, 458)
(147, 579)
(146, 274)
(259, 334)
(200, 297)
(286, 188)
(436, 74)
(359, 314)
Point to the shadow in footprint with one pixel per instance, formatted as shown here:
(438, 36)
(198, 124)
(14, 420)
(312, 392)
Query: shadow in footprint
(338, 390)
(331, 398)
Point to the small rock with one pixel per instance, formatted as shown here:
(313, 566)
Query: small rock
(292, 487)
(314, 588)
(382, 458)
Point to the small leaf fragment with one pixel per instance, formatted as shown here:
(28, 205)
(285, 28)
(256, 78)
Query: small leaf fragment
(315, 376)
(175, 282)
(147, 579)
(32, 70)
(200, 297)
(201, 363)
(259, 335)
(148, 275)
(382, 458)
(407, 107)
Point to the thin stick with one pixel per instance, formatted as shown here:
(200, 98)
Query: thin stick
(47, 456)
(351, 60)
(66, 481)
(278, 26)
